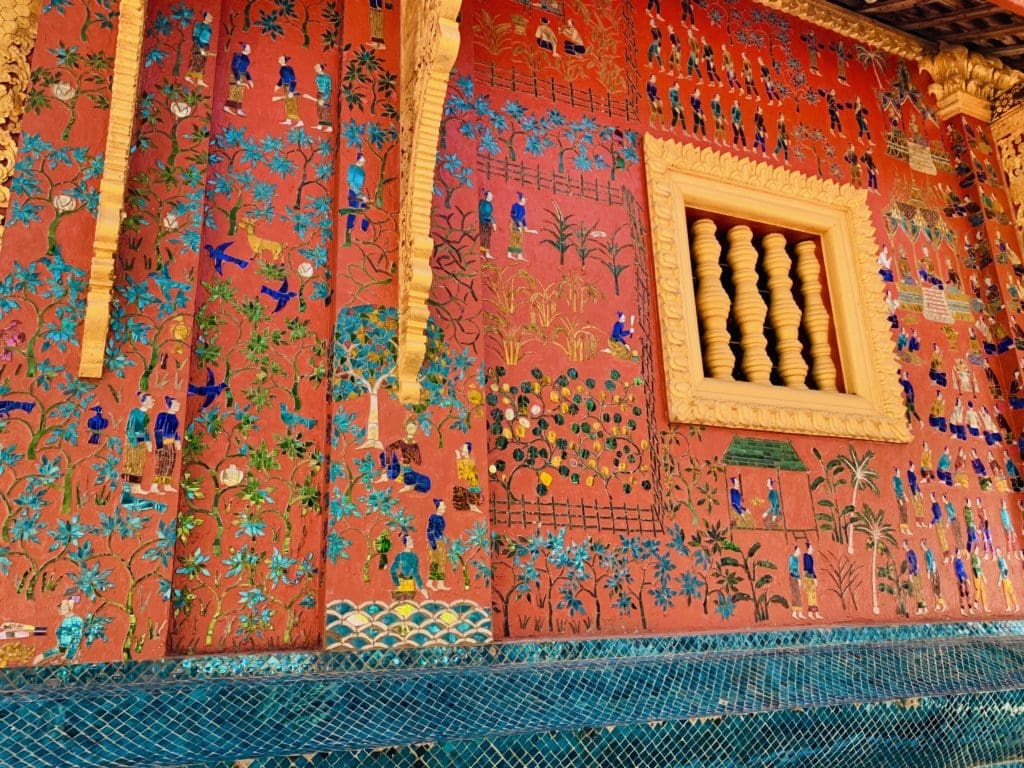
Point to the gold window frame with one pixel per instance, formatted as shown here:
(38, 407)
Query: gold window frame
(872, 406)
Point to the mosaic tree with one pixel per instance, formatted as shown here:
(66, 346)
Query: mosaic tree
(366, 359)
(568, 427)
(73, 76)
(53, 182)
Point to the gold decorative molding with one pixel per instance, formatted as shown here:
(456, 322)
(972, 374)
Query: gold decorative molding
(872, 406)
(127, 63)
(430, 44)
(19, 20)
(964, 82)
(1008, 133)
(850, 24)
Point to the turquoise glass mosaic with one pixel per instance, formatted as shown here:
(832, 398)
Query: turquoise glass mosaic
(936, 695)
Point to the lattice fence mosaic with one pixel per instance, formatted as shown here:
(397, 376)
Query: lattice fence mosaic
(937, 695)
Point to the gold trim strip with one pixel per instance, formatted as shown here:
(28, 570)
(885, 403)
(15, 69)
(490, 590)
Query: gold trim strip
(851, 24)
(127, 63)
(430, 44)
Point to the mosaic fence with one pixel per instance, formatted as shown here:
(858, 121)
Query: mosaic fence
(942, 695)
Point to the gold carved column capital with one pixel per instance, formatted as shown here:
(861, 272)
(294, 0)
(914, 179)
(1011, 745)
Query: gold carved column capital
(18, 23)
(430, 44)
(965, 82)
(127, 63)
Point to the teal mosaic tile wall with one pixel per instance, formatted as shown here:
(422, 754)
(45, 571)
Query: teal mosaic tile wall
(936, 695)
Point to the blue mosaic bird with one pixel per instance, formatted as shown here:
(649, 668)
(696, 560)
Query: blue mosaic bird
(282, 294)
(290, 419)
(220, 255)
(7, 407)
(96, 424)
(210, 390)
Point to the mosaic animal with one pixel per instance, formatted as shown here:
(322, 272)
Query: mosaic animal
(261, 244)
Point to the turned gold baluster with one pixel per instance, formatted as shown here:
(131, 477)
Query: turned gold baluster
(783, 311)
(712, 300)
(816, 320)
(748, 307)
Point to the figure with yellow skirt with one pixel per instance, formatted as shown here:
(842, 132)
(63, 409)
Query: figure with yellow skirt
(405, 572)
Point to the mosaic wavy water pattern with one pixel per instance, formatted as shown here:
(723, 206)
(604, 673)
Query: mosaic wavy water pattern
(405, 624)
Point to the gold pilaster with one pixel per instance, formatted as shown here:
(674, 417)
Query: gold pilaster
(19, 20)
(784, 312)
(748, 307)
(1008, 133)
(816, 321)
(430, 44)
(712, 300)
(112, 186)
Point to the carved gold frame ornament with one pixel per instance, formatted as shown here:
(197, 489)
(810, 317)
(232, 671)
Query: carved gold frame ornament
(127, 62)
(19, 21)
(872, 408)
(430, 45)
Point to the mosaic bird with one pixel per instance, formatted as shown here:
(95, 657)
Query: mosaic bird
(7, 407)
(210, 390)
(96, 424)
(220, 255)
(282, 294)
(291, 419)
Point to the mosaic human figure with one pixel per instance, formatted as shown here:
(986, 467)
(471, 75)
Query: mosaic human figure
(979, 583)
(678, 113)
(739, 136)
(69, 633)
(932, 570)
(914, 574)
(545, 37)
(324, 89)
(487, 224)
(167, 439)
(1010, 602)
(718, 116)
(795, 587)
(377, 24)
(618, 339)
(288, 83)
(399, 453)
(963, 589)
(675, 52)
(901, 499)
(810, 582)
(654, 48)
(699, 121)
(405, 572)
(202, 34)
(657, 110)
(781, 139)
(137, 443)
(466, 496)
(573, 43)
(774, 512)
(357, 199)
(517, 229)
(240, 80)
(736, 496)
(437, 564)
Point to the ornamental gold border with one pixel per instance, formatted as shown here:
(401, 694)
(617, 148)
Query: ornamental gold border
(19, 21)
(430, 44)
(127, 62)
(681, 175)
(853, 25)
